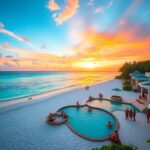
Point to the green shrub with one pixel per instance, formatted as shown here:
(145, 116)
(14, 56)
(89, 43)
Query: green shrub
(127, 86)
(148, 141)
(116, 147)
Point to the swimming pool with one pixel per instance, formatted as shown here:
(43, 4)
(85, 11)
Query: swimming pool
(90, 124)
(110, 105)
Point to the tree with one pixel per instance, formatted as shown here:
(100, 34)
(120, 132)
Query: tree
(116, 147)
(127, 68)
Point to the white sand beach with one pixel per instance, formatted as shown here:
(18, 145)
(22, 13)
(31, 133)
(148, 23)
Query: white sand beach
(23, 126)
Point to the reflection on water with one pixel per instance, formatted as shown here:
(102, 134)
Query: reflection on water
(111, 105)
(100, 103)
(15, 85)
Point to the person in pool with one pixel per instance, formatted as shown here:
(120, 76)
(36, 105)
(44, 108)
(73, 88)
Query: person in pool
(109, 124)
(65, 116)
(51, 117)
(90, 108)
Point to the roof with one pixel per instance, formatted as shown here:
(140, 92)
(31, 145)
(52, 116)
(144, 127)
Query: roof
(145, 84)
(139, 76)
(135, 73)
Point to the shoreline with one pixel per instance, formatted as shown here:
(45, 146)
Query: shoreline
(26, 121)
(49, 94)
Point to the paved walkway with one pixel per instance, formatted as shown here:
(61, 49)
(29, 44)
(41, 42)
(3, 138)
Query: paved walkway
(135, 133)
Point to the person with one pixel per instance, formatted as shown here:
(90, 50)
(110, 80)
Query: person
(90, 108)
(65, 116)
(131, 114)
(87, 87)
(29, 98)
(134, 114)
(148, 115)
(77, 103)
(114, 137)
(50, 117)
(90, 98)
(109, 124)
(127, 113)
(100, 95)
(62, 113)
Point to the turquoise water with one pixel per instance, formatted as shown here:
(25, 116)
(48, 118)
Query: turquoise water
(111, 105)
(90, 124)
(15, 85)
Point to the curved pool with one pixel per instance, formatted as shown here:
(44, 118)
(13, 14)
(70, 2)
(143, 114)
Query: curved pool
(90, 124)
(111, 105)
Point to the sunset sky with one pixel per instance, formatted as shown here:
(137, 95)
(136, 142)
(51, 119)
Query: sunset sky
(73, 35)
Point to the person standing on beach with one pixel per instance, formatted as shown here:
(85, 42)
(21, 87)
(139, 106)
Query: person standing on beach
(148, 115)
(134, 114)
(131, 114)
(127, 113)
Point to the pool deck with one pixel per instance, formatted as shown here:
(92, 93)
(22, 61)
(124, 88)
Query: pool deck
(23, 126)
(135, 133)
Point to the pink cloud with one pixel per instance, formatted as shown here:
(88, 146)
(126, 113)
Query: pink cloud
(99, 10)
(11, 34)
(1, 25)
(53, 6)
(54, 15)
(69, 11)
(4, 46)
(17, 37)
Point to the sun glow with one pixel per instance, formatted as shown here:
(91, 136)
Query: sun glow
(88, 65)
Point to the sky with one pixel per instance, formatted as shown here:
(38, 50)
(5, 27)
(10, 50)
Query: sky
(73, 35)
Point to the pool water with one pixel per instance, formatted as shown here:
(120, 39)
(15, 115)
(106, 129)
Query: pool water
(90, 124)
(111, 105)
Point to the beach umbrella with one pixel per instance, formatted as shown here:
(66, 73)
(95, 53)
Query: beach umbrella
(148, 106)
(116, 90)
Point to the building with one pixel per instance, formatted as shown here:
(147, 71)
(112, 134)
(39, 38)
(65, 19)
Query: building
(145, 90)
(136, 78)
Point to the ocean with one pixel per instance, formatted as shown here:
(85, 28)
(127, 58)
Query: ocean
(17, 85)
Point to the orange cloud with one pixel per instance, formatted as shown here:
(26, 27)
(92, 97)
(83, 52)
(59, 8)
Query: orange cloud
(53, 6)
(99, 51)
(69, 11)
(115, 48)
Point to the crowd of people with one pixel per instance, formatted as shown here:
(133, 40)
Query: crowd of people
(130, 114)
(52, 116)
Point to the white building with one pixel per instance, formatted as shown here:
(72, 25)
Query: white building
(137, 78)
(145, 90)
